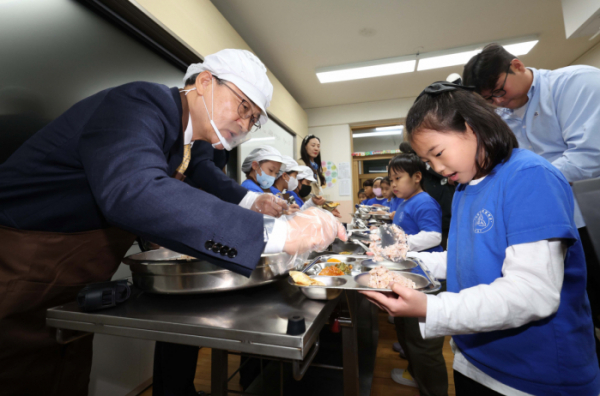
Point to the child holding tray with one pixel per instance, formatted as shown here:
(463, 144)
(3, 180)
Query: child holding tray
(516, 305)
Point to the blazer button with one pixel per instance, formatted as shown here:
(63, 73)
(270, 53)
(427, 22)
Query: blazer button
(232, 253)
(217, 247)
(209, 244)
(224, 250)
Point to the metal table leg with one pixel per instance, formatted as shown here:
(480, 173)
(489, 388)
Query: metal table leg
(350, 346)
(218, 374)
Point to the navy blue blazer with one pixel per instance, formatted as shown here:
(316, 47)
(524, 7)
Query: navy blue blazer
(108, 160)
(205, 171)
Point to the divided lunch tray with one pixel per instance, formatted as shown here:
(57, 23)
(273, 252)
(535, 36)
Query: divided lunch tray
(358, 279)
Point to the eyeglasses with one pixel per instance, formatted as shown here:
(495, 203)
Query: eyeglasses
(498, 93)
(245, 111)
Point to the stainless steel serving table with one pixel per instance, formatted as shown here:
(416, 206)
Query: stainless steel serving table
(250, 321)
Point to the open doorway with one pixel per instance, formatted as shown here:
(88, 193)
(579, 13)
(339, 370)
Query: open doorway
(373, 147)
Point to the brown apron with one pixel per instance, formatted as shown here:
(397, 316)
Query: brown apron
(40, 270)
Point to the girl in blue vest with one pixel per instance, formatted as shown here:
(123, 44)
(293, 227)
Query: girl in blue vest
(516, 305)
(420, 216)
(378, 199)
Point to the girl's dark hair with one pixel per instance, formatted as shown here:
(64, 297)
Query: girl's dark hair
(306, 158)
(386, 180)
(368, 183)
(409, 163)
(361, 191)
(450, 111)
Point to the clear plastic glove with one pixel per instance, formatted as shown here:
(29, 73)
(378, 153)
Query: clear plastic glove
(269, 204)
(312, 230)
(293, 208)
(319, 200)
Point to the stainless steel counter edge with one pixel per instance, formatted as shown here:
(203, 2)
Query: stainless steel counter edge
(186, 339)
(192, 334)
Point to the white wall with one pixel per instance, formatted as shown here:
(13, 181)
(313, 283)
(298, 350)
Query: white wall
(591, 57)
(333, 126)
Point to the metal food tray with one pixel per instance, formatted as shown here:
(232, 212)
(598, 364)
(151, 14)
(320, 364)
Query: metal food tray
(359, 277)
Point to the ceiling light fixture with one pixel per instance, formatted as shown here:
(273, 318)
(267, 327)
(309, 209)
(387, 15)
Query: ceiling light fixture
(390, 128)
(376, 134)
(426, 61)
(356, 71)
(460, 56)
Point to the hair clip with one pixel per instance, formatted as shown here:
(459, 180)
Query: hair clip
(439, 87)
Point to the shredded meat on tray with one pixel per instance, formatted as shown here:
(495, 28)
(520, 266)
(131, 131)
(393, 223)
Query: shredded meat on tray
(382, 278)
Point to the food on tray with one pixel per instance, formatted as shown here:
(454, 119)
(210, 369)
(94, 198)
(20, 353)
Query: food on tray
(346, 253)
(336, 270)
(331, 270)
(332, 205)
(395, 251)
(381, 278)
(302, 279)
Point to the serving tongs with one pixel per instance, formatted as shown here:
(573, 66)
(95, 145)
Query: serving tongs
(388, 238)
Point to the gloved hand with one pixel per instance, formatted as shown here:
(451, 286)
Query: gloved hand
(269, 204)
(292, 209)
(319, 200)
(312, 230)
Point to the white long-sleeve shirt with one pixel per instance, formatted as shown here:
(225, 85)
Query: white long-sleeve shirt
(529, 290)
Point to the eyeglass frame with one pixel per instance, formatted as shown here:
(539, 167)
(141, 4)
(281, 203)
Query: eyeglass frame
(496, 92)
(256, 124)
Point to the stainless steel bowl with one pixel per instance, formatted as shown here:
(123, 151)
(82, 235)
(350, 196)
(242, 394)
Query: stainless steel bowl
(320, 292)
(421, 282)
(159, 271)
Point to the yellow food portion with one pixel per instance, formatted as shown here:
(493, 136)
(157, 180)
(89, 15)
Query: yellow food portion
(332, 260)
(332, 205)
(304, 280)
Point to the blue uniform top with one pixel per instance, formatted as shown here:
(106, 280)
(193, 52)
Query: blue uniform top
(420, 213)
(108, 161)
(252, 186)
(394, 204)
(364, 201)
(378, 201)
(561, 121)
(524, 200)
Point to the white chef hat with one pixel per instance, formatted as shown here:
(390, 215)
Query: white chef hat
(290, 165)
(306, 173)
(242, 68)
(262, 153)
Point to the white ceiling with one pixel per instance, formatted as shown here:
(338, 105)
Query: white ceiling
(294, 37)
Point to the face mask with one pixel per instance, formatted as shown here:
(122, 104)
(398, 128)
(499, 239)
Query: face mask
(237, 140)
(377, 192)
(264, 181)
(304, 190)
(292, 184)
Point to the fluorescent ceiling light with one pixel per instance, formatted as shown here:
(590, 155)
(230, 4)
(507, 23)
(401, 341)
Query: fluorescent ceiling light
(460, 56)
(375, 134)
(390, 128)
(520, 48)
(367, 69)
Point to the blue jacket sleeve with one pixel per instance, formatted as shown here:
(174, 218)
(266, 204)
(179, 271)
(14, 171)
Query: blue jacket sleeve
(204, 173)
(121, 150)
